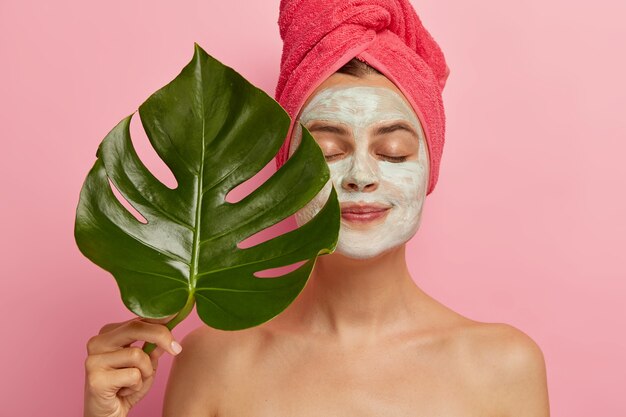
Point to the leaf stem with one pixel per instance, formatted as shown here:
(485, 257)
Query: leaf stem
(182, 314)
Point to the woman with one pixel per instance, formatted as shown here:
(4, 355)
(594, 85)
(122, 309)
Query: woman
(362, 338)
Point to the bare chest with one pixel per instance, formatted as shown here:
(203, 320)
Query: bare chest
(304, 382)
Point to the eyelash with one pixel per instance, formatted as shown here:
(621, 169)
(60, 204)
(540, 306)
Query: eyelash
(385, 157)
(331, 157)
(394, 158)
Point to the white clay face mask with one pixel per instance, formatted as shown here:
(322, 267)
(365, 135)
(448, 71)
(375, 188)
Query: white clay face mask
(381, 196)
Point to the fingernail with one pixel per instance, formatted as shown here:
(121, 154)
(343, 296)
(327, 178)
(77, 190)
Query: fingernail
(177, 348)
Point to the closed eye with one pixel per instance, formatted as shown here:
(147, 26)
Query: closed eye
(331, 157)
(393, 158)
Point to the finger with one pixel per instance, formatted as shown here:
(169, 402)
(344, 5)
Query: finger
(110, 326)
(132, 332)
(127, 377)
(107, 383)
(132, 357)
(130, 390)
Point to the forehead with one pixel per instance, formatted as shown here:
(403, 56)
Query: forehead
(357, 103)
(346, 80)
(343, 96)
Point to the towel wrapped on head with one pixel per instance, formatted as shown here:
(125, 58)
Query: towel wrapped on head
(321, 36)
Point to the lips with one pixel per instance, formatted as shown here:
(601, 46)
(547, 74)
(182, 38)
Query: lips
(363, 212)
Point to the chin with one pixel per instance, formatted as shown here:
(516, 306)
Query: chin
(369, 244)
(359, 254)
(366, 251)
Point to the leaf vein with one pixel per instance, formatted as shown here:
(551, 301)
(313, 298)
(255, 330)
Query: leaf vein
(183, 160)
(232, 289)
(217, 305)
(172, 218)
(220, 180)
(156, 275)
(163, 293)
(166, 254)
(297, 249)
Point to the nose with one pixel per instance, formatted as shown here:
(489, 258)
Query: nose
(361, 177)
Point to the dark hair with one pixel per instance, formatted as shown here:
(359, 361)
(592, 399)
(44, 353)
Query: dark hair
(357, 68)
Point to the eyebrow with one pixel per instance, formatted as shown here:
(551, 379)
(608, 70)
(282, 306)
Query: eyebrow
(320, 127)
(395, 126)
(382, 130)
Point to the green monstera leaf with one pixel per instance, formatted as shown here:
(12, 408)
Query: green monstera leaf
(214, 130)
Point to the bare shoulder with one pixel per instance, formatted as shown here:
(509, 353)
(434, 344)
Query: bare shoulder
(509, 365)
(203, 370)
(502, 345)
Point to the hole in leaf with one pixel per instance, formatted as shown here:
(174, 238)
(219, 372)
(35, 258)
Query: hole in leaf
(280, 228)
(245, 188)
(148, 155)
(277, 272)
(126, 204)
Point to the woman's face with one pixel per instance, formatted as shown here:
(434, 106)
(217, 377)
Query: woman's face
(375, 149)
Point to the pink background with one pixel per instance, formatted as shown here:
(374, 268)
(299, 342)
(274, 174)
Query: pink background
(526, 225)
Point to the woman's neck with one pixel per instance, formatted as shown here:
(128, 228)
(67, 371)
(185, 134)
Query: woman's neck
(357, 299)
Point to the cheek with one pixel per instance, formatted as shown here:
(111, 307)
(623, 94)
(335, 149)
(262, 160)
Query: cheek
(405, 182)
(338, 171)
(296, 137)
(306, 213)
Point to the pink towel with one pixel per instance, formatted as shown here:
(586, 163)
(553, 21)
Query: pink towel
(320, 36)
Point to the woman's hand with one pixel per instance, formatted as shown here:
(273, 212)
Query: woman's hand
(118, 375)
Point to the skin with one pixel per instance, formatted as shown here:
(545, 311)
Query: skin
(361, 339)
